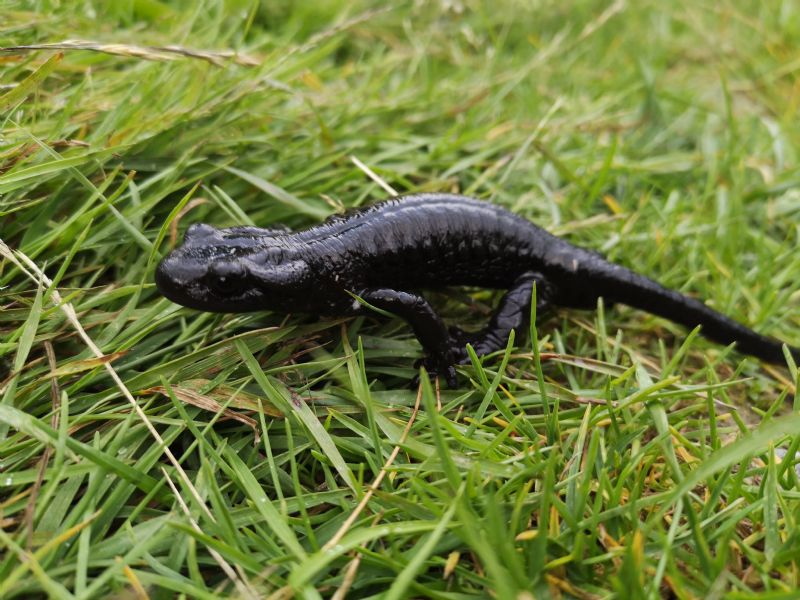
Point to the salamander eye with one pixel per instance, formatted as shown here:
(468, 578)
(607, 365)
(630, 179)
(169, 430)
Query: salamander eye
(227, 280)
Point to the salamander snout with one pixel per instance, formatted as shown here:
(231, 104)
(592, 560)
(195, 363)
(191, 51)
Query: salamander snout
(178, 270)
(175, 277)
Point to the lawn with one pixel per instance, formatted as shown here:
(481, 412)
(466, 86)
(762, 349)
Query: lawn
(152, 451)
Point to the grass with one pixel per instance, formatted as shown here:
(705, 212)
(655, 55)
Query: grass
(619, 456)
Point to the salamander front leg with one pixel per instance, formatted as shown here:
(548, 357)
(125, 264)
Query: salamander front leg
(426, 324)
(513, 313)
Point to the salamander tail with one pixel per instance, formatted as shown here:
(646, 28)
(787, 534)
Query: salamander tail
(628, 287)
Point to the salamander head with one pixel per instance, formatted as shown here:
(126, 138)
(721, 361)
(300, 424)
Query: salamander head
(233, 270)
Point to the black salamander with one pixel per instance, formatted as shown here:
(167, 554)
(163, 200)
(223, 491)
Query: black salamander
(387, 252)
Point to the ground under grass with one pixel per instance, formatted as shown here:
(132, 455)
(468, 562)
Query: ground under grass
(615, 456)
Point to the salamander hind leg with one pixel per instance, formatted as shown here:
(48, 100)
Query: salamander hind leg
(426, 324)
(512, 313)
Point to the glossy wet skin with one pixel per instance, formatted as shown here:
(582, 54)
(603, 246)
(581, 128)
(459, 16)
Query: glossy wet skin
(231, 270)
(387, 252)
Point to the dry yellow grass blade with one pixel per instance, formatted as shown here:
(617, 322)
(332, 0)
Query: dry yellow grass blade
(213, 401)
(159, 53)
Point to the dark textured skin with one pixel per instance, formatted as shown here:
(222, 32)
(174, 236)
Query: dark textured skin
(387, 252)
